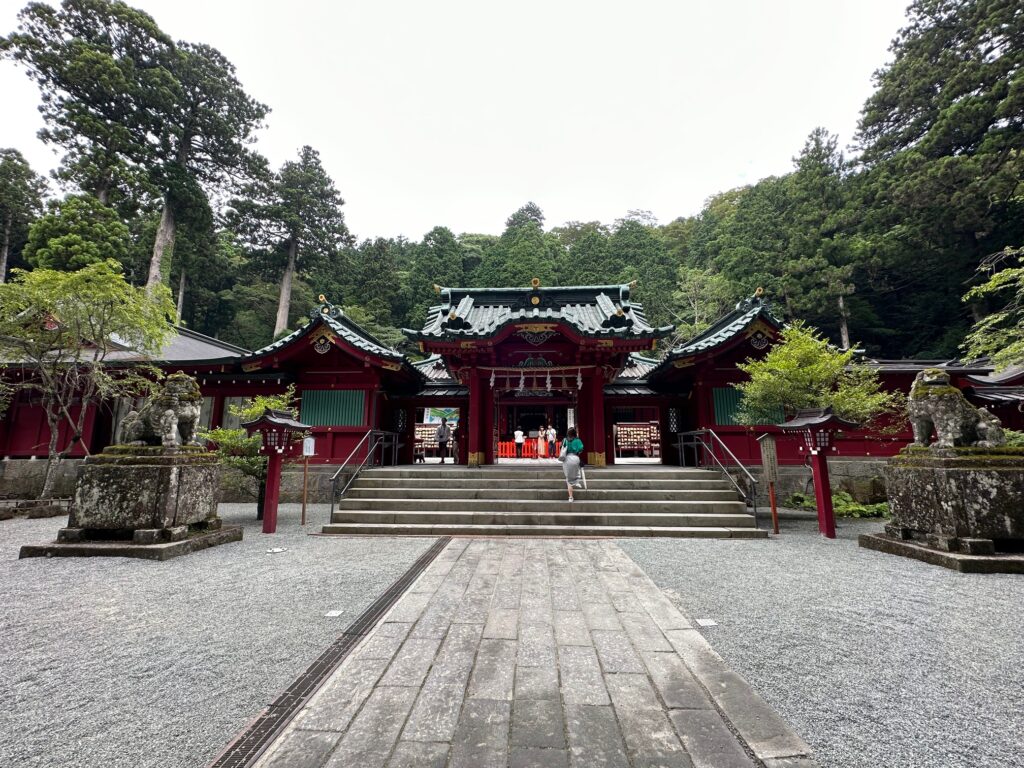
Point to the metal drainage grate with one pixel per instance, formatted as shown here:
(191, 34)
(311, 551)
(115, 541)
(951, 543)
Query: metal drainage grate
(252, 742)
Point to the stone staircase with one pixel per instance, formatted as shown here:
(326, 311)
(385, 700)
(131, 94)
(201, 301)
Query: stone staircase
(531, 501)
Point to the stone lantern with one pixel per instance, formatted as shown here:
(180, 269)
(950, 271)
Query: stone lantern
(278, 430)
(817, 427)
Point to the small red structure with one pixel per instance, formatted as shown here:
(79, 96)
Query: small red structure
(277, 429)
(818, 427)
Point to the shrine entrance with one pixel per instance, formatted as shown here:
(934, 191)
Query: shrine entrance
(531, 411)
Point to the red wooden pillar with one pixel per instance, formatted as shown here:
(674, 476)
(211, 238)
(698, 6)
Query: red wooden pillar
(273, 492)
(823, 494)
(475, 455)
(596, 456)
(217, 411)
(487, 406)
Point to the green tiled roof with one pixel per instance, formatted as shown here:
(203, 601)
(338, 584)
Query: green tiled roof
(723, 330)
(596, 310)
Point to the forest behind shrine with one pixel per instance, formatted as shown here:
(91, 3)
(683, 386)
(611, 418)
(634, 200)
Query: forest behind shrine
(876, 243)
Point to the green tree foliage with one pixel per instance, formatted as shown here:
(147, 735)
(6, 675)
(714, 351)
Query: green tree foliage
(437, 260)
(294, 221)
(637, 252)
(77, 231)
(240, 451)
(523, 252)
(135, 110)
(63, 327)
(100, 66)
(1000, 335)
(701, 297)
(806, 371)
(21, 200)
(942, 137)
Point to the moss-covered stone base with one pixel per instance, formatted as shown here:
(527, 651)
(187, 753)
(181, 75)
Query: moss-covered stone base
(951, 500)
(957, 561)
(128, 488)
(159, 551)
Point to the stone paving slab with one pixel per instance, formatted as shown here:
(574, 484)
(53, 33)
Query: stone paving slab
(517, 653)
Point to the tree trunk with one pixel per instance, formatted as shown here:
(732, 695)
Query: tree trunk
(844, 327)
(53, 459)
(163, 245)
(103, 194)
(284, 302)
(181, 294)
(5, 247)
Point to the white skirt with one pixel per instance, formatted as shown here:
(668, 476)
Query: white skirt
(571, 468)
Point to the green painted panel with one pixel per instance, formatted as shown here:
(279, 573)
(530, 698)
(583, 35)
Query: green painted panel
(727, 403)
(333, 407)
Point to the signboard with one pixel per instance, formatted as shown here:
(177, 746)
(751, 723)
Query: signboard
(434, 416)
(769, 458)
(309, 446)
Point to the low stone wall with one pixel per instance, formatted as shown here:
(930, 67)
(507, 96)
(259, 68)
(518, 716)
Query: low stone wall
(23, 478)
(862, 478)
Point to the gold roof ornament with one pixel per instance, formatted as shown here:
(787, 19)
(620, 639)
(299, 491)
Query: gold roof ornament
(535, 283)
(436, 287)
(322, 298)
(759, 292)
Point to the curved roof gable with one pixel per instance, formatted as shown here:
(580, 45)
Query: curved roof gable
(596, 310)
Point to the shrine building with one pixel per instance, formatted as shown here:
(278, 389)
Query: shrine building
(498, 360)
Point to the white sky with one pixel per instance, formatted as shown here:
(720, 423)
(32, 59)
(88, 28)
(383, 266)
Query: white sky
(430, 112)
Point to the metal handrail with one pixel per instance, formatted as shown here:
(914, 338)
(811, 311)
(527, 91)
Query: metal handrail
(381, 438)
(698, 439)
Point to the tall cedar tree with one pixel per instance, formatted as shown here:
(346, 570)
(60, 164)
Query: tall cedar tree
(21, 200)
(133, 108)
(295, 219)
(942, 140)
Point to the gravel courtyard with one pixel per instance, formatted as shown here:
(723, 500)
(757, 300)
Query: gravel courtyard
(875, 660)
(116, 662)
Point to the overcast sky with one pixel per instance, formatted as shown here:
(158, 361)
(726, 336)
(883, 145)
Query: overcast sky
(432, 112)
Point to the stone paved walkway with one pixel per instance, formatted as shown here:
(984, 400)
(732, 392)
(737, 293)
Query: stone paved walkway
(520, 653)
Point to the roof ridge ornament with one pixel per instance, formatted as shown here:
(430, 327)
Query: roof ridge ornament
(325, 309)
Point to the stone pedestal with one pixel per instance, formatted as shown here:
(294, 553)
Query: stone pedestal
(967, 502)
(129, 498)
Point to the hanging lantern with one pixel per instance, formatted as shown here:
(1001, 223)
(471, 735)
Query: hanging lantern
(579, 379)
(492, 379)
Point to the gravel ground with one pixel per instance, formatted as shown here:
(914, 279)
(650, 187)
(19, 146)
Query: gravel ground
(117, 662)
(876, 660)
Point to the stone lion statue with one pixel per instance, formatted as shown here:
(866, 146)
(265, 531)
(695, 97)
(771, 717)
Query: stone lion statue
(168, 418)
(935, 404)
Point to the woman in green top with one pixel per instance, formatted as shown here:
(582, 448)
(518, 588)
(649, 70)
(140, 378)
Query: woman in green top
(572, 447)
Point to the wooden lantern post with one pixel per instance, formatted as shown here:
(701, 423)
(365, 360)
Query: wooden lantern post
(277, 429)
(818, 427)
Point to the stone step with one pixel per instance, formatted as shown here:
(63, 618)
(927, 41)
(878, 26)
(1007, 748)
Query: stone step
(575, 517)
(535, 494)
(538, 472)
(532, 507)
(595, 481)
(381, 529)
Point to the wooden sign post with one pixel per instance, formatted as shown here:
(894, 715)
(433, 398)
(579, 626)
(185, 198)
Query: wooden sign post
(770, 467)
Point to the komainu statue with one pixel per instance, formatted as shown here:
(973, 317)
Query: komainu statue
(168, 418)
(935, 404)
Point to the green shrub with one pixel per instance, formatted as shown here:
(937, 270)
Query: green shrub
(1013, 437)
(843, 503)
